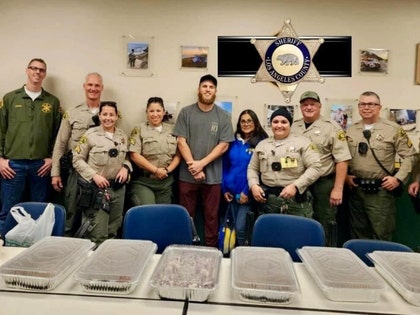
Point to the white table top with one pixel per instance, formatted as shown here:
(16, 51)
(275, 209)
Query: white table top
(69, 297)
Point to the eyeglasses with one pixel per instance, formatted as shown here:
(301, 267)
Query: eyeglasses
(42, 70)
(247, 122)
(368, 105)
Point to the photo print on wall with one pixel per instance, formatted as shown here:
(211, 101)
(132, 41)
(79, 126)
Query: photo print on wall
(406, 118)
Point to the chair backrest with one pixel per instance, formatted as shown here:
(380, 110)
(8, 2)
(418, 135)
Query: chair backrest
(35, 209)
(362, 247)
(163, 224)
(289, 232)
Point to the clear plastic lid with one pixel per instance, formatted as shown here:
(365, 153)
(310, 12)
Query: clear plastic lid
(263, 268)
(339, 267)
(45, 263)
(402, 270)
(115, 266)
(341, 275)
(263, 274)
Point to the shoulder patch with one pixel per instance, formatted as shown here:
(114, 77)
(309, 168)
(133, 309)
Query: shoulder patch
(341, 135)
(77, 149)
(409, 143)
(66, 115)
(134, 132)
(132, 141)
(401, 132)
(83, 139)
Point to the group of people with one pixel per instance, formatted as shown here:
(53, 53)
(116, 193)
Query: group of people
(307, 167)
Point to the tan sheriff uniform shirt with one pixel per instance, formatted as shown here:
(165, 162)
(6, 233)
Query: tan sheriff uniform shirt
(158, 147)
(91, 154)
(387, 140)
(330, 140)
(299, 159)
(74, 124)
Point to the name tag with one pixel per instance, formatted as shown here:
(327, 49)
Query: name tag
(288, 162)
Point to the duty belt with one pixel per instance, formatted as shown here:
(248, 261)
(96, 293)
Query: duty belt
(277, 190)
(369, 185)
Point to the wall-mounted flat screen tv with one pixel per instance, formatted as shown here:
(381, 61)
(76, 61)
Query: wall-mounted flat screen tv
(238, 57)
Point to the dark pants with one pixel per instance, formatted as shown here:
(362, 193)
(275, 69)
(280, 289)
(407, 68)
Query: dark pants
(372, 215)
(26, 176)
(189, 194)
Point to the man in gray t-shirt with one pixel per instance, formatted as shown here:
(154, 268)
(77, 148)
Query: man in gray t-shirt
(204, 131)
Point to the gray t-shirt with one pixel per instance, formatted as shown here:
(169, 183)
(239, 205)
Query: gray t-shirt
(203, 131)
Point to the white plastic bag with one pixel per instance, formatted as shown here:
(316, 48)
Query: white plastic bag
(27, 230)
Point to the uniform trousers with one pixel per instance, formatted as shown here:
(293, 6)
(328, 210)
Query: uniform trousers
(144, 190)
(103, 224)
(189, 194)
(73, 216)
(323, 212)
(372, 215)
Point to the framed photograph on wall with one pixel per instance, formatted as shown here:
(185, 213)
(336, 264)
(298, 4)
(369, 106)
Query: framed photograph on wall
(137, 58)
(406, 118)
(374, 61)
(171, 111)
(341, 111)
(194, 57)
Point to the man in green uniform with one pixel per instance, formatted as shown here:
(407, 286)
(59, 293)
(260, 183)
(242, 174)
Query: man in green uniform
(29, 121)
(334, 152)
(373, 178)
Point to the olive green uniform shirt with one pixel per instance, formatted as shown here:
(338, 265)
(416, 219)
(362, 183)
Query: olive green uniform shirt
(299, 159)
(28, 128)
(387, 140)
(330, 140)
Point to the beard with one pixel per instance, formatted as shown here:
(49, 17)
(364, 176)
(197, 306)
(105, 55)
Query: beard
(202, 100)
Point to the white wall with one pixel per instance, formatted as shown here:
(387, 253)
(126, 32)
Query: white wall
(80, 36)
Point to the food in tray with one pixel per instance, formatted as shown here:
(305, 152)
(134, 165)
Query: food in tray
(187, 272)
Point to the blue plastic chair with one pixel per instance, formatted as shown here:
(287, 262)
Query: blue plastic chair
(362, 247)
(35, 209)
(163, 224)
(289, 232)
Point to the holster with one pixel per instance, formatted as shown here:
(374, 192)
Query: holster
(66, 164)
(89, 195)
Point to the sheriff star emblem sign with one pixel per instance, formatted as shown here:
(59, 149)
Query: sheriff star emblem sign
(287, 60)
